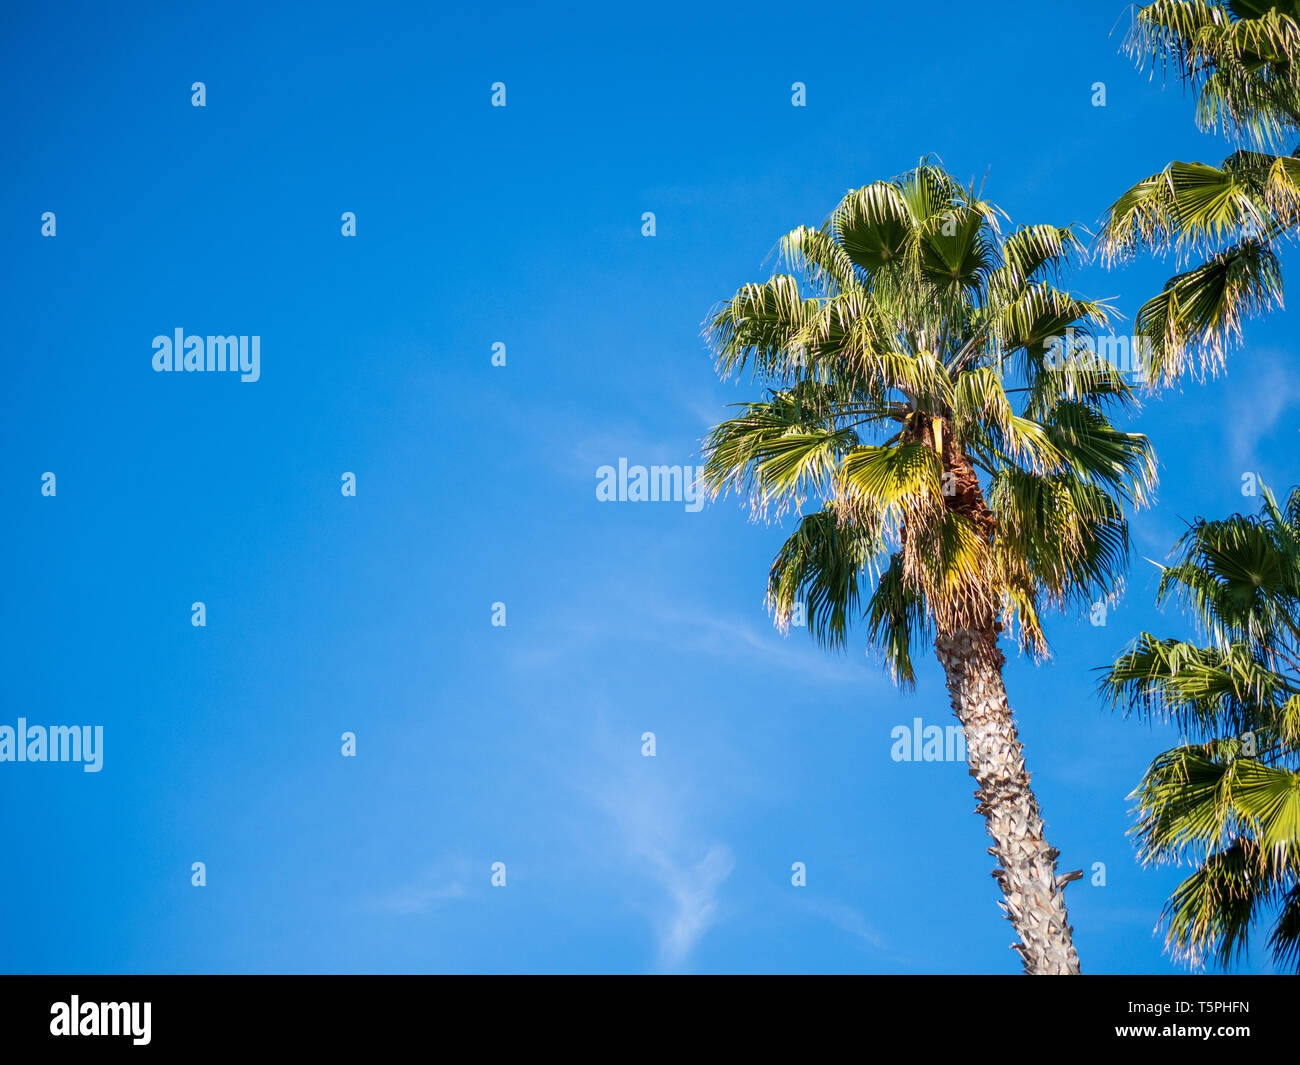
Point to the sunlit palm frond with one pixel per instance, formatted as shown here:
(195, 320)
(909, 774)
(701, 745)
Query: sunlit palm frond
(1229, 806)
(1242, 60)
(897, 618)
(1190, 324)
(822, 566)
(761, 327)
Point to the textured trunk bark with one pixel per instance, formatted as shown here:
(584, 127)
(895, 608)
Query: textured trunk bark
(1035, 904)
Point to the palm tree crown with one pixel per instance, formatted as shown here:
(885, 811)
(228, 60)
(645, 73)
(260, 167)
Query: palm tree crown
(910, 321)
(1229, 805)
(1241, 61)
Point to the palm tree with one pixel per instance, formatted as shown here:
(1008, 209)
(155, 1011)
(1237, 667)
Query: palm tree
(1229, 805)
(1242, 61)
(908, 318)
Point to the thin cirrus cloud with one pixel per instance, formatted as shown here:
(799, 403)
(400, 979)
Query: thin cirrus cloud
(652, 828)
(849, 920)
(693, 891)
(659, 847)
(1257, 408)
(698, 630)
(423, 895)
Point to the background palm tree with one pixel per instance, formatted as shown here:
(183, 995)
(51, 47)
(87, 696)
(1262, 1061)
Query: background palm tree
(1240, 60)
(908, 318)
(1230, 805)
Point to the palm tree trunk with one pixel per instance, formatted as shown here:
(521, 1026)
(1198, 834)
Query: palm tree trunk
(1035, 903)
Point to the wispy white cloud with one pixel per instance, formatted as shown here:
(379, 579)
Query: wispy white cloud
(699, 629)
(1256, 408)
(693, 891)
(659, 842)
(847, 918)
(432, 890)
(652, 828)
(737, 638)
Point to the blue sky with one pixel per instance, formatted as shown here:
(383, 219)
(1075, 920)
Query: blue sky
(475, 484)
